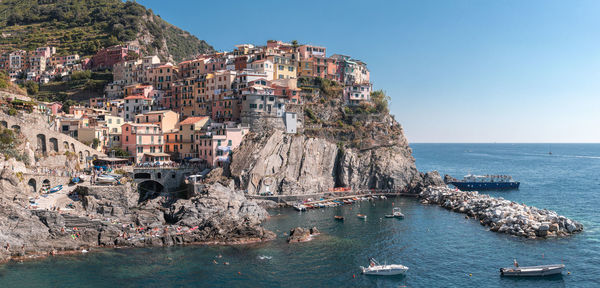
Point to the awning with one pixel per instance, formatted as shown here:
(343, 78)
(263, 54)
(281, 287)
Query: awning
(157, 154)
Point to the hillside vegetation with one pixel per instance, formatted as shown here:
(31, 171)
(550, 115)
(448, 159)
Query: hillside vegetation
(83, 27)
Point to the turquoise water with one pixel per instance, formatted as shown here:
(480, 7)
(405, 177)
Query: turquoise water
(441, 248)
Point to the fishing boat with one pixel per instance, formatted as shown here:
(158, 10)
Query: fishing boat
(361, 216)
(485, 182)
(377, 269)
(389, 216)
(55, 189)
(299, 207)
(396, 212)
(337, 217)
(75, 180)
(105, 179)
(528, 271)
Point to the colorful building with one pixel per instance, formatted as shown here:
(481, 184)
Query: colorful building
(138, 139)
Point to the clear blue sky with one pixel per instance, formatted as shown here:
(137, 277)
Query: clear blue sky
(457, 71)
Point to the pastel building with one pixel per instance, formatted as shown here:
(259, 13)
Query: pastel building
(165, 119)
(215, 145)
(134, 105)
(140, 139)
(187, 132)
(357, 93)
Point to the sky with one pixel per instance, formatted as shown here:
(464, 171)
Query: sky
(457, 71)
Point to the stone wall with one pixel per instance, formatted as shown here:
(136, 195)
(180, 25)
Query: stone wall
(44, 141)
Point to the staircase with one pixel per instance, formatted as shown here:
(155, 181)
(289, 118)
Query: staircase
(79, 222)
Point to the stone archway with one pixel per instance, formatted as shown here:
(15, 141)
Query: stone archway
(149, 189)
(53, 144)
(41, 143)
(66, 145)
(16, 128)
(33, 185)
(73, 147)
(80, 156)
(4, 124)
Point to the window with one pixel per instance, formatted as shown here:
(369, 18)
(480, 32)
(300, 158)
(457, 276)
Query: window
(253, 106)
(271, 98)
(229, 143)
(280, 67)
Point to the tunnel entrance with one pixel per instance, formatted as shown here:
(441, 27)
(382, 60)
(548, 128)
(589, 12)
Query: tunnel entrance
(149, 190)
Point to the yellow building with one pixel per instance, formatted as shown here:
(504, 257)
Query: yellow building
(284, 67)
(187, 129)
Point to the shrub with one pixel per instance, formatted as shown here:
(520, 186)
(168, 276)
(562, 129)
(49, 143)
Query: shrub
(12, 111)
(381, 100)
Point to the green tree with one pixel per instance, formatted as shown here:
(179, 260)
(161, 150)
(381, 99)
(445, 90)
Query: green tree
(32, 87)
(381, 101)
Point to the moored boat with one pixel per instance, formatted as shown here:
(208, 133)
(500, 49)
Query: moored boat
(397, 212)
(529, 271)
(299, 207)
(378, 269)
(361, 216)
(485, 182)
(341, 218)
(55, 189)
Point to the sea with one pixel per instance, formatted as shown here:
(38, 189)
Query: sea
(440, 247)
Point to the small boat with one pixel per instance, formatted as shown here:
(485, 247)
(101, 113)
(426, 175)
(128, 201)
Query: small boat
(389, 216)
(361, 216)
(339, 217)
(528, 271)
(397, 212)
(378, 269)
(299, 207)
(105, 179)
(55, 189)
(75, 180)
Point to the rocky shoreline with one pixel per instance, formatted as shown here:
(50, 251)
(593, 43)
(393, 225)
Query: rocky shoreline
(502, 216)
(109, 216)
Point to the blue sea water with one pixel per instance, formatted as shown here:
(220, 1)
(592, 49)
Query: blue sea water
(442, 248)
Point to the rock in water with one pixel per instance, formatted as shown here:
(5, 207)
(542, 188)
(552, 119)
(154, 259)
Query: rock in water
(300, 234)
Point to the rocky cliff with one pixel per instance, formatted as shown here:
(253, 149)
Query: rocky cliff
(317, 161)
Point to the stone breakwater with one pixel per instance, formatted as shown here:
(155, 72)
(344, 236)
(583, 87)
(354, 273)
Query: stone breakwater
(502, 215)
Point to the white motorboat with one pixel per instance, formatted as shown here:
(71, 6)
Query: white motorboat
(397, 212)
(105, 179)
(541, 270)
(300, 207)
(377, 269)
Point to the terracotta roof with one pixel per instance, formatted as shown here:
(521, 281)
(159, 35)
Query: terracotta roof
(136, 97)
(192, 120)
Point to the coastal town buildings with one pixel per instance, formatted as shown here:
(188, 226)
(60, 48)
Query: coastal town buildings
(200, 108)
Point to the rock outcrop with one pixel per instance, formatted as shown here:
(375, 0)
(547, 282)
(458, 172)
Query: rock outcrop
(111, 216)
(502, 215)
(300, 234)
(289, 164)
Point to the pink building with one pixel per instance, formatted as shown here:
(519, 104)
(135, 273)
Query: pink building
(140, 139)
(308, 51)
(54, 107)
(215, 146)
(107, 57)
